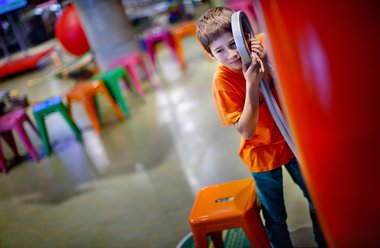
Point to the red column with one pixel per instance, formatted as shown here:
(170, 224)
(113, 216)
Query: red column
(327, 57)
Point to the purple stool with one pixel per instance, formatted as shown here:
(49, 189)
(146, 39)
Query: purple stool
(160, 35)
(14, 121)
(130, 63)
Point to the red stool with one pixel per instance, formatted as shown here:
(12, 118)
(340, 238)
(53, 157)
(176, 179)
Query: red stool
(226, 206)
(14, 121)
(160, 35)
(130, 63)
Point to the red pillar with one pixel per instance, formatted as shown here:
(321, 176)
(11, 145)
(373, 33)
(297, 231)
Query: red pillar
(327, 58)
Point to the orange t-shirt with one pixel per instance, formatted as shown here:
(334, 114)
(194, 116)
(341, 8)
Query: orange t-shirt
(268, 149)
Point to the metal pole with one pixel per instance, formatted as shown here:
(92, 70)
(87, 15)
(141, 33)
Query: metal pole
(18, 33)
(5, 49)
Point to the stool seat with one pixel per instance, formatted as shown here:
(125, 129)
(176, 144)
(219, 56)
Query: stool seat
(48, 106)
(7, 121)
(86, 92)
(43, 109)
(226, 206)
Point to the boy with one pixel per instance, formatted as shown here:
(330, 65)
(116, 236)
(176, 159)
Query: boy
(236, 91)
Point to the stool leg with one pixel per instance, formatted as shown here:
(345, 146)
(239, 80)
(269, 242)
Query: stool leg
(217, 239)
(200, 239)
(62, 109)
(8, 137)
(40, 120)
(68, 107)
(254, 230)
(97, 107)
(27, 119)
(70, 117)
(116, 93)
(147, 74)
(25, 139)
(2, 161)
(173, 50)
(131, 85)
(113, 104)
(135, 79)
(90, 108)
(179, 50)
(151, 53)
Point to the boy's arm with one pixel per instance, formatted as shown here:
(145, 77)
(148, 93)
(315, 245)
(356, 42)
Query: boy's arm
(247, 123)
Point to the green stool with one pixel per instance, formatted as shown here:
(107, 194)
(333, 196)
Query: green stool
(111, 79)
(43, 109)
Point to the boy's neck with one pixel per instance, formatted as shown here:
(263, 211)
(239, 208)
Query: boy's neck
(232, 69)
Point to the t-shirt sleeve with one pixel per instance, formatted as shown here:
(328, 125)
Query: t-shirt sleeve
(228, 102)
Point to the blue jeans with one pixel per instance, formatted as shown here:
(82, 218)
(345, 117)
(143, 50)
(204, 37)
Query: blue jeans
(269, 189)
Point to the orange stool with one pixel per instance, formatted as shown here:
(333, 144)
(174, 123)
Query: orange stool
(85, 92)
(225, 206)
(179, 32)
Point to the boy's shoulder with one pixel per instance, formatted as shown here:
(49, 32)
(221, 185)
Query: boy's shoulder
(225, 77)
(260, 37)
(223, 71)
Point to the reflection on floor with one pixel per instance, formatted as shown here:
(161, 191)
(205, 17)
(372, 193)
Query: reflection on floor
(133, 186)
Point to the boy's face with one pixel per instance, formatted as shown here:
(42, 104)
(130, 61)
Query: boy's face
(224, 50)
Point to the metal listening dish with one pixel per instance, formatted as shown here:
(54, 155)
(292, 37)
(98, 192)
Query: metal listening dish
(240, 28)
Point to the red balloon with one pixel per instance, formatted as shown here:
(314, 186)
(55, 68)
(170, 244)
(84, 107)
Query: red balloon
(69, 32)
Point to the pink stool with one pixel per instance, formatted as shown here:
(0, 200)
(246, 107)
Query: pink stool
(130, 63)
(3, 163)
(8, 137)
(160, 35)
(14, 121)
(247, 7)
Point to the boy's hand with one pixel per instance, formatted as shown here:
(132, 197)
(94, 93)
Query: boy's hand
(258, 48)
(254, 73)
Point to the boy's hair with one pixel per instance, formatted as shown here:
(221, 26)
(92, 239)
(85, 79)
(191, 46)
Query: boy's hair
(212, 24)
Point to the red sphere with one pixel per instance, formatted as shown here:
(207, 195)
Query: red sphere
(69, 32)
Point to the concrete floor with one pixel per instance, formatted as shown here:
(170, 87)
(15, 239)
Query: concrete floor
(133, 186)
